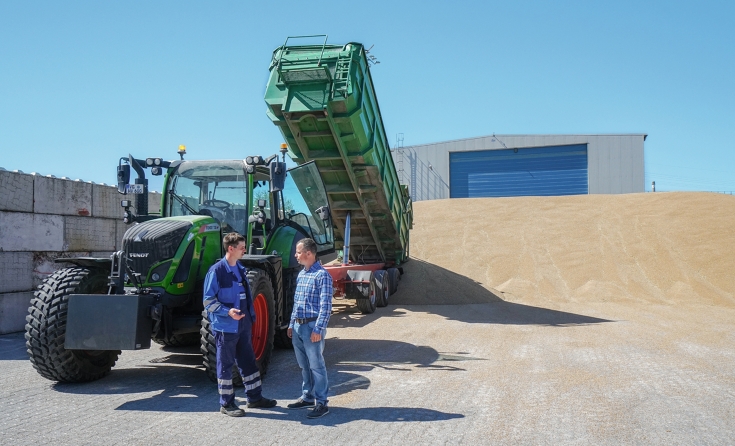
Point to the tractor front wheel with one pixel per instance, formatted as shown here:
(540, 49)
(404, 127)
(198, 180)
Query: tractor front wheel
(46, 328)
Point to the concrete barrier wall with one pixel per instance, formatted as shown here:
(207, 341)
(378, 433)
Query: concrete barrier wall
(45, 218)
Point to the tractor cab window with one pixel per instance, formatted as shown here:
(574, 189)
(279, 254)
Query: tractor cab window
(214, 188)
(303, 195)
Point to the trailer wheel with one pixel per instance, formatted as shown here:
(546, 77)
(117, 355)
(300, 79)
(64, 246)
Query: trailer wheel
(395, 277)
(263, 329)
(382, 288)
(367, 304)
(46, 328)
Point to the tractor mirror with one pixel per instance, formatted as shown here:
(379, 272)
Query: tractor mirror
(123, 177)
(278, 176)
(323, 213)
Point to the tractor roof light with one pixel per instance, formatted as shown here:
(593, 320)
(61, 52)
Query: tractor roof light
(149, 161)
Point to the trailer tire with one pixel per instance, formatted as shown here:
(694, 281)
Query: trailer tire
(46, 328)
(263, 329)
(395, 277)
(382, 288)
(367, 304)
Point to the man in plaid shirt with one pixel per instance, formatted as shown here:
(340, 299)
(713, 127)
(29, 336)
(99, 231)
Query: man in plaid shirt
(308, 328)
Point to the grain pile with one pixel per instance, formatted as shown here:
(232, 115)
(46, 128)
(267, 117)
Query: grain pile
(659, 248)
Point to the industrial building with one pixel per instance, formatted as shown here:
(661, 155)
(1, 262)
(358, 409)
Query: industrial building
(523, 165)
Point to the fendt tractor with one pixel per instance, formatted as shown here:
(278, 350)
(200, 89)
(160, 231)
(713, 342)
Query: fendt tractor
(343, 193)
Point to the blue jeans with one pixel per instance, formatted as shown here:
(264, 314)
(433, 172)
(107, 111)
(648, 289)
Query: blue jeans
(311, 360)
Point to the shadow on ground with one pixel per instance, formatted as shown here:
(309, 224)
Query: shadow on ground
(176, 381)
(342, 415)
(440, 291)
(13, 347)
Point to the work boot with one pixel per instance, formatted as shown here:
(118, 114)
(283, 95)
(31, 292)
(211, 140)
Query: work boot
(232, 410)
(263, 403)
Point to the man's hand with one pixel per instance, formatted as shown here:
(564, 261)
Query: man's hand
(235, 314)
(289, 332)
(316, 337)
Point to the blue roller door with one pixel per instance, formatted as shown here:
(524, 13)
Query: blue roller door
(554, 170)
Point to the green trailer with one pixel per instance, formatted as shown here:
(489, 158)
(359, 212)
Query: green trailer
(322, 99)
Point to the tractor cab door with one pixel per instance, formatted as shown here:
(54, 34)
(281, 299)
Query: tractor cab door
(305, 204)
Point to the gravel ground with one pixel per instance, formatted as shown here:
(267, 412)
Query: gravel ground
(500, 372)
(606, 326)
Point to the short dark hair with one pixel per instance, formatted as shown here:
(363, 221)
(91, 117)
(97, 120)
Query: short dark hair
(308, 244)
(232, 239)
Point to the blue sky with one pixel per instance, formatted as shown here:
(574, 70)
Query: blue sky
(83, 83)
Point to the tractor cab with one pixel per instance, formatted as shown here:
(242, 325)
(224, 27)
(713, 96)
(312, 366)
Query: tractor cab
(218, 189)
(237, 193)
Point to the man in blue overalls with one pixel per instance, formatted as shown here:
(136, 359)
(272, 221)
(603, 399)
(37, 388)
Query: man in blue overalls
(229, 304)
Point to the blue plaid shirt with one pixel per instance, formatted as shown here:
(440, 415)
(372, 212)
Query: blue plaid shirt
(313, 298)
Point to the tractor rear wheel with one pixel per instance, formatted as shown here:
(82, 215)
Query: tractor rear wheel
(263, 329)
(281, 339)
(46, 328)
(179, 340)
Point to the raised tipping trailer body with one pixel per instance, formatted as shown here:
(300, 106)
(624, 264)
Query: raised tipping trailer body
(322, 99)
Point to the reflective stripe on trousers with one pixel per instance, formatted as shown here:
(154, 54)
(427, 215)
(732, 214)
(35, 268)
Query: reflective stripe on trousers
(237, 348)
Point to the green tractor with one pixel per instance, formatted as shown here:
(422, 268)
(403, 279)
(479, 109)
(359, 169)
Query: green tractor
(82, 316)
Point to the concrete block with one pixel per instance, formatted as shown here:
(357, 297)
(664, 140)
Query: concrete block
(20, 231)
(101, 254)
(44, 264)
(16, 269)
(13, 310)
(62, 197)
(120, 231)
(106, 201)
(89, 234)
(16, 191)
(154, 203)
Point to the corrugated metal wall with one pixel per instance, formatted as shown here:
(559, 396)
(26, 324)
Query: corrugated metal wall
(614, 162)
(536, 171)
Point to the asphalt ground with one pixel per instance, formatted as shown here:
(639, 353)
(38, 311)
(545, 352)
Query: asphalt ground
(489, 373)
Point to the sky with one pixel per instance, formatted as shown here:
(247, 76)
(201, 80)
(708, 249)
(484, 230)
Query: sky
(83, 83)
